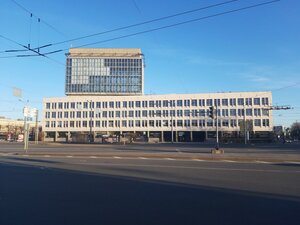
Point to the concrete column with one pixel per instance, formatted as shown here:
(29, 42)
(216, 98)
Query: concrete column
(162, 137)
(176, 136)
(191, 136)
(68, 136)
(55, 136)
(206, 135)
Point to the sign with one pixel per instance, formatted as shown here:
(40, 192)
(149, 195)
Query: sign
(28, 112)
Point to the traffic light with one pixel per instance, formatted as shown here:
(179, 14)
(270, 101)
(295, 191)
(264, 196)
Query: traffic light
(211, 112)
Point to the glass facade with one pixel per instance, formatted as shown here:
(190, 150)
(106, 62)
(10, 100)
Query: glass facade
(96, 74)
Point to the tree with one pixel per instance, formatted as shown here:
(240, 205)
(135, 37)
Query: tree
(295, 131)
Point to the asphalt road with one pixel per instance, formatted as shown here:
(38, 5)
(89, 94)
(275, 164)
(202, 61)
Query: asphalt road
(119, 190)
(265, 152)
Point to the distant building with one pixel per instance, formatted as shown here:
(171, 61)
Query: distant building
(104, 72)
(12, 127)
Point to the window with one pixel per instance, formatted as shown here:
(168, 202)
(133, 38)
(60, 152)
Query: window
(256, 112)
(158, 103)
(224, 112)
(53, 115)
(187, 123)
(194, 102)
(66, 105)
(209, 102)
(225, 123)
(194, 123)
(265, 101)
(225, 102)
(85, 105)
(232, 112)
(241, 112)
(248, 101)
(201, 102)
(47, 105)
(248, 112)
(131, 104)
(158, 113)
(130, 113)
(98, 104)
(151, 123)
(72, 105)
(111, 105)
(266, 122)
(217, 102)
(232, 102)
(138, 104)
(179, 123)
(151, 104)
(240, 101)
(257, 122)
(265, 112)
(256, 101)
(165, 103)
(144, 113)
(137, 113)
(145, 104)
(104, 114)
(54, 105)
(137, 123)
(186, 102)
(186, 112)
(233, 123)
(179, 113)
(179, 103)
(158, 123)
(124, 104)
(60, 105)
(118, 114)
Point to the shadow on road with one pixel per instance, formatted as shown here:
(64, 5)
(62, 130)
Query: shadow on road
(30, 195)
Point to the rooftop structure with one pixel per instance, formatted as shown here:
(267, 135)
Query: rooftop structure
(110, 71)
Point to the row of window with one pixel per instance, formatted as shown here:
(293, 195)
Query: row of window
(157, 103)
(154, 113)
(154, 123)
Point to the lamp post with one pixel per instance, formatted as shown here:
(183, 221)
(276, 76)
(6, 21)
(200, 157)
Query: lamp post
(171, 103)
(91, 121)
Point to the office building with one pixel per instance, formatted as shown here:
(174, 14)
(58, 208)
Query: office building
(157, 116)
(104, 96)
(104, 72)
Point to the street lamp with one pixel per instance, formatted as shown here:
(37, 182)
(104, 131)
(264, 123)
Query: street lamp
(171, 103)
(91, 121)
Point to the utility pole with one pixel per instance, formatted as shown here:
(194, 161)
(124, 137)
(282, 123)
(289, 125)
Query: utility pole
(217, 126)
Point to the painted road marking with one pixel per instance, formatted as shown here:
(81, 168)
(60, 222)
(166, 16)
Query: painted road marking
(117, 157)
(225, 160)
(258, 161)
(178, 150)
(169, 159)
(199, 160)
(142, 158)
(93, 157)
(69, 156)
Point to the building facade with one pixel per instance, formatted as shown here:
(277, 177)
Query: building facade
(104, 72)
(158, 115)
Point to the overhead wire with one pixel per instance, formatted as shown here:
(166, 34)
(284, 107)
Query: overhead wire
(143, 23)
(41, 20)
(178, 24)
(155, 29)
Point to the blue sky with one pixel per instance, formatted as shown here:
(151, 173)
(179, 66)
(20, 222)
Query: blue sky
(252, 50)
